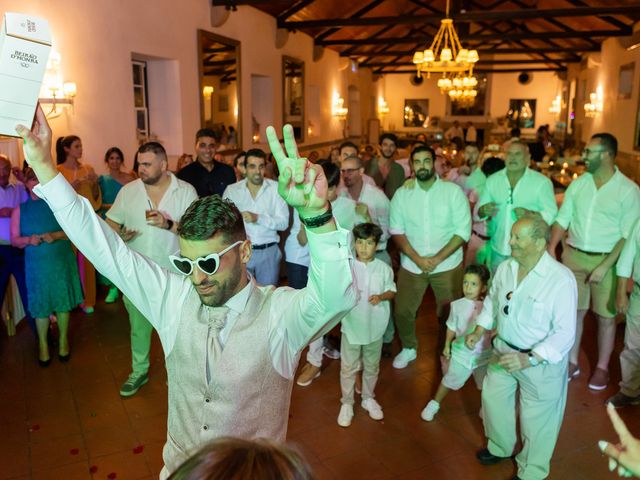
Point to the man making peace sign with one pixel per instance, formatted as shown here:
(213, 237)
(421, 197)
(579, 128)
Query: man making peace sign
(231, 347)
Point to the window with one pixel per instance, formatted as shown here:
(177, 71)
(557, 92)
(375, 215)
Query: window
(140, 100)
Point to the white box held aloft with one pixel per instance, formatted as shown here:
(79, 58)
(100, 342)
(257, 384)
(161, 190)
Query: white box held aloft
(25, 43)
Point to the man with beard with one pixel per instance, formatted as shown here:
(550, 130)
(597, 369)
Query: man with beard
(206, 174)
(599, 210)
(264, 214)
(231, 347)
(430, 221)
(511, 193)
(388, 175)
(145, 214)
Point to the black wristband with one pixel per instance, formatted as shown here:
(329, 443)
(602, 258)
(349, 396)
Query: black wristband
(315, 222)
(169, 224)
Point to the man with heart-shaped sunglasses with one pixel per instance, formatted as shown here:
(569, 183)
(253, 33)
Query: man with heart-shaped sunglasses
(231, 347)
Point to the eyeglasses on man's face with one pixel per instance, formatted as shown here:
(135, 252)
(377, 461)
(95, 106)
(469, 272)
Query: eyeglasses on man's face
(208, 264)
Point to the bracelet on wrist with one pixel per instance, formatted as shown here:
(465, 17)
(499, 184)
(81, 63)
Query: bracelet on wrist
(169, 224)
(319, 220)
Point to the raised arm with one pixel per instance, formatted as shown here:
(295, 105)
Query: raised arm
(299, 316)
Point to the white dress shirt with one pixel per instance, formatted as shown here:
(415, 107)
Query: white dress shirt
(541, 313)
(293, 251)
(533, 191)
(472, 135)
(11, 196)
(597, 218)
(628, 265)
(462, 320)
(378, 204)
(296, 317)
(429, 220)
(129, 209)
(367, 323)
(273, 212)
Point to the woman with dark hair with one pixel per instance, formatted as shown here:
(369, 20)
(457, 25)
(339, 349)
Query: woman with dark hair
(110, 185)
(236, 459)
(85, 181)
(53, 284)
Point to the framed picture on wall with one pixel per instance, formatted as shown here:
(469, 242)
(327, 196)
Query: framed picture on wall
(625, 80)
(522, 113)
(478, 107)
(416, 112)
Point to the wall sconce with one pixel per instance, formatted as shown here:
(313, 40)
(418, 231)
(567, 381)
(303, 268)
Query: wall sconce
(54, 90)
(594, 107)
(310, 128)
(556, 105)
(338, 109)
(383, 108)
(207, 91)
(255, 127)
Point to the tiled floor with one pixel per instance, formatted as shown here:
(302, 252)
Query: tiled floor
(68, 421)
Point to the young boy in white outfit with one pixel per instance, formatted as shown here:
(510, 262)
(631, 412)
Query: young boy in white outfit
(364, 326)
(462, 320)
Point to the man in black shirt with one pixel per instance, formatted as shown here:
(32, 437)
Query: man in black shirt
(208, 176)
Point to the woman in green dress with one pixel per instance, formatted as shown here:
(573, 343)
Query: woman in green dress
(110, 185)
(53, 282)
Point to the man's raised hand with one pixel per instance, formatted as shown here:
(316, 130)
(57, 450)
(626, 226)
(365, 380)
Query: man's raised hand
(37, 147)
(300, 183)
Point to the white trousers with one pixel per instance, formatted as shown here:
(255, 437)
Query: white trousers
(542, 392)
(630, 356)
(350, 365)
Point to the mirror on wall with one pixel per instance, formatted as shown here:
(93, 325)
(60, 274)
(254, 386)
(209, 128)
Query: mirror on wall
(293, 95)
(219, 61)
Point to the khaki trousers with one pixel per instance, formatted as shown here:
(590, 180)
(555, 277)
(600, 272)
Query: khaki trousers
(447, 287)
(350, 364)
(543, 395)
(141, 331)
(630, 356)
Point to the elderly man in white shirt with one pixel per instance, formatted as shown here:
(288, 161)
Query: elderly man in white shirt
(627, 267)
(12, 194)
(430, 221)
(599, 210)
(145, 214)
(231, 347)
(509, 194)
(531, 305)
(264, 214)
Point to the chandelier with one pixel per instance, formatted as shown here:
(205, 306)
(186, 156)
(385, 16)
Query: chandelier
(446, 56)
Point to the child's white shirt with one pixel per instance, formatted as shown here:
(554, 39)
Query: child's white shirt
(462, 321)
(366, 323)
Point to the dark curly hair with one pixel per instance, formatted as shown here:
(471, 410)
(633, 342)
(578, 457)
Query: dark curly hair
(211, 215)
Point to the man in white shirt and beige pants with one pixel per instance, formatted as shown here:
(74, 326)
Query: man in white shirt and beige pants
(531, 307)
(599, 210)
(231, 347)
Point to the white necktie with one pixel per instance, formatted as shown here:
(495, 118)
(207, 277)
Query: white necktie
(217, 319)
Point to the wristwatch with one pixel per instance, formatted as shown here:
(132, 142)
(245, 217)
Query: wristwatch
(533, 361)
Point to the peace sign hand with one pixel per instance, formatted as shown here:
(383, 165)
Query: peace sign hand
(301, 184)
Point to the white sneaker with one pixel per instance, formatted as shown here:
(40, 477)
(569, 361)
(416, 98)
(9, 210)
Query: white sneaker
(331, 353)
(345, 416)
(405, 356)
(430, 411)
(373, 407)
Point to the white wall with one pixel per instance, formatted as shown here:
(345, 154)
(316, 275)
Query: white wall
(97, 38)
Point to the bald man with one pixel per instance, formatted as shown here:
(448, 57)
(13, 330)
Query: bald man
(531, 306)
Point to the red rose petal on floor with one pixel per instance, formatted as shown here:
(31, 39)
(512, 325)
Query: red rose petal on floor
(112, 475)
(93, 469)
(138, 449)
(74, 451)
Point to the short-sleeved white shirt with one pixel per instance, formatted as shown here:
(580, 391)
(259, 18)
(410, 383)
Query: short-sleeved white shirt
(462, 321)
(129, 209)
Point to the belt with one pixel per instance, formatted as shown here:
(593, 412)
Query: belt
(263, 246)
(483, 237)
(511, 346)
(594, 254)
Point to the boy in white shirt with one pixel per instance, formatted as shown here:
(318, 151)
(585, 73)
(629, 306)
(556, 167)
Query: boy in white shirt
(462, 320)
(364, 326)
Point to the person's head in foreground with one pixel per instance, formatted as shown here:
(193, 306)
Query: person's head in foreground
(475, 281)
(600, 152)
(237, 459)
(422, 162)
(367, 236)
(214, 249)
(529, 238)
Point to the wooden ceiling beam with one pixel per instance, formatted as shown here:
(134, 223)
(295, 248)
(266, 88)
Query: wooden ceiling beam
(367, 8)
(464, 17)
(502, 70)
(528, 61)
(610, 20)
(483, 38)
(295, 8)
(495, 51)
